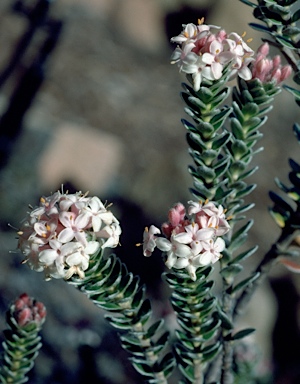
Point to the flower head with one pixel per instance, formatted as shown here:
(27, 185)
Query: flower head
(190, 242)
(26, 311)
(269, 70)
(61, 234)
(205, 54)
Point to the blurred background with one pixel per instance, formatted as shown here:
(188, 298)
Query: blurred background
(88, 99)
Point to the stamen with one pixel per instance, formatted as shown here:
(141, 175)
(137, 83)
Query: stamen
(249, 40)
(244, 34)
(42, 200)
(201, 21)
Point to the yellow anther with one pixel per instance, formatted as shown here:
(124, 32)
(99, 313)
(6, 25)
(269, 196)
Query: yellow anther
(244, 34)
(201, 21)
(186, 35)
(48, 227)
(206, 201)
(249, 40)
(42, 200)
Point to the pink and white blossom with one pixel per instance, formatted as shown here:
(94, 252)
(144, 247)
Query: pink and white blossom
(190, 241)
(205, 55)
(60, 236)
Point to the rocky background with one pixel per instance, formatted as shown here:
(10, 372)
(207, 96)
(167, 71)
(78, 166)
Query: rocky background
(107, 119)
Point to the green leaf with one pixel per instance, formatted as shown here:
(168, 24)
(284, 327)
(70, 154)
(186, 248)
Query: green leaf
(219, 118)
(244, 255)
(237, 128)
(285, 42)
(249, 3)
(226, 322)
(293, 91)
(220, 140)
(244, 283)
(154, 328)
(167, 364)
(260, 28)
(231, 271)
(142, 367)
(241, 334)
(119, 322)
(296, 129)
(246, 191)
(211, 352)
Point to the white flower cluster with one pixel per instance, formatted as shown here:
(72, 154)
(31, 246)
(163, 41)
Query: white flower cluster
(204, 54)
(189, 242)
(59, 236)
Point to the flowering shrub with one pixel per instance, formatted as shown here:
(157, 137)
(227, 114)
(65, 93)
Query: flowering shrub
(65, 237)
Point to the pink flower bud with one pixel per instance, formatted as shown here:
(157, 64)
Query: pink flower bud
(276, 61)
(285, 72)
(26, 310)
(276, 75)
(24, 317)
(176, 214)
(264, 49)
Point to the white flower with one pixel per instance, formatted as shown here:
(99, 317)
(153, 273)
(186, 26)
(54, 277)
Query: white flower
(149, 240)
(174, 249)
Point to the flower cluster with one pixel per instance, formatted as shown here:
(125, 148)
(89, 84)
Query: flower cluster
(269, 70)
(60, 235)
(25, 310)
(189, 242)
(205, 54)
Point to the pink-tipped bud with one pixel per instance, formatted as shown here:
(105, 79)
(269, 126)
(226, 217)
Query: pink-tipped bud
(167, 229)
(221, 35)
(276, 61)
(286, 71)
(264, 49)
(176, 214)
(276, 75)
(26, 310)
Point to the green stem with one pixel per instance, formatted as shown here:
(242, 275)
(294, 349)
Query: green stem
(108, 284)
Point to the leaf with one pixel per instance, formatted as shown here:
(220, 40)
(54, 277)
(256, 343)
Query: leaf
(293, 91)
(280, 204)
(226, 322)
(231, 271)
(241, 334)
(249, 3)
(244, 283)
(218, 119)
(260, 27)
(285, 42)
(167, 364)
(244, 255)
(220, 140)
(154, 328)
(142, 367)
(211, 352)
(296, 129)
(144, 312)
(246, 191)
